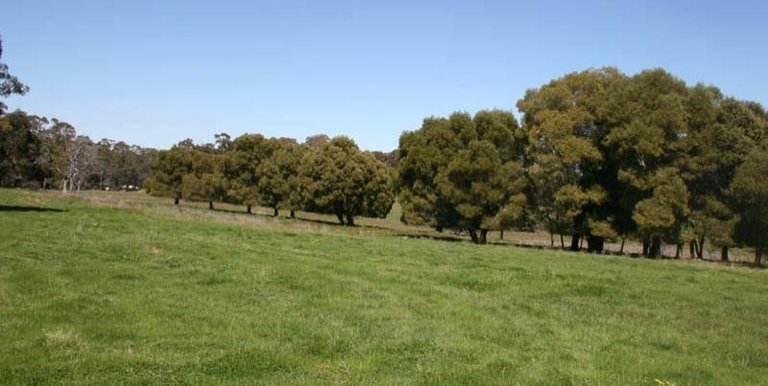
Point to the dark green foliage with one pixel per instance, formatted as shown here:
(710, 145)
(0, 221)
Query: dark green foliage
(340, 179)
(661, 216)
(463, 173)
(750, 196)
(121, 164)
(20, 150)
(169, 170)
(243, 167)
(566, 122)
(205, 181)
(280, 185)
(643, 156)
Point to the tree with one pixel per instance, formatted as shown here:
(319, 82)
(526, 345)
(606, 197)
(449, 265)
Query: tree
(19, 149)
(422, 155)
(721, 132)
(242, 168)
(81, 157)
(463, 173)
(749, 191)
(485, 192)
(279, 186)
(389, 159)
(169, 170)
(317, 141)
(565, 122)
(9, 84)
(55, 136)
(342, 180)
(661, 216)
(648, 138)
(205, 181)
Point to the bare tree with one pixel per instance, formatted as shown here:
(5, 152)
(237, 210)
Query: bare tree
(82, 155)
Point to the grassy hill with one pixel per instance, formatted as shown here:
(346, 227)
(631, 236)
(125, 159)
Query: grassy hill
(98, 290)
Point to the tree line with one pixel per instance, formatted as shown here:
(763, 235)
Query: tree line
(597, 156)
(37, 152)
(321, 175)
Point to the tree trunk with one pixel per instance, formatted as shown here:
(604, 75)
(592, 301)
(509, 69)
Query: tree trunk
(700, 244)
(210, 205)
(501, 234)
(758, 256)
(479, 238)
(176, 200)
(621, 249)
(575, 239)
(646, 244)
(655, 248)
(595, 244)
(562, 242)
(293, 213)
(483, 236)
(551, 239)
(724, 253)
(350, 220)
(678, 250)
(340, 216)
(248, 209)
(276, 212)
(692, 248)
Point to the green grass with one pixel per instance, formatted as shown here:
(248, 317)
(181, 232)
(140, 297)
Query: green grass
(148, 294)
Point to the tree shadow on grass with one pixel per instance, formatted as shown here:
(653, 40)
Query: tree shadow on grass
(19, 208)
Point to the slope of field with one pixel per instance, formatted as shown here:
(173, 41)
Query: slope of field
(136, 295)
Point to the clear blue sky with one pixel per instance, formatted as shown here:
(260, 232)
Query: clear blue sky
(155, 72)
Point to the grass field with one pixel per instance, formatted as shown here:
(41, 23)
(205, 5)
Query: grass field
(98, 290)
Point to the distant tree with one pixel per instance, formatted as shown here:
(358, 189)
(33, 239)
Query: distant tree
(286, 141)
(317, 141)
(81, 155)
(169, 170)
(102, 172)
(19, 149)
(342, 180)
(463, 172)
(389, 159)
(223, 142)
(279, 186)
(54, 136)
(242, 167)
(9, 84)
(205, 181)
(749, 191)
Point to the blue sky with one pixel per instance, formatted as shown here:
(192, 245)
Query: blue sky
(153, 73)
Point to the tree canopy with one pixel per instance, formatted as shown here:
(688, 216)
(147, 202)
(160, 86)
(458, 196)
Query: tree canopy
(346, 182)
(463, 172)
